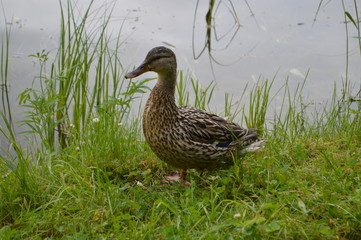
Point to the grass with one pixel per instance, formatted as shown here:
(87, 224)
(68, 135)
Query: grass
(90, 175)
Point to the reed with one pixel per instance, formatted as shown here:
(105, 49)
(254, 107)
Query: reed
(85, 80)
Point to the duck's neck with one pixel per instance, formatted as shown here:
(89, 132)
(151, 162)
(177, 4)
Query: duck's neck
(167, 81)
(162, 98)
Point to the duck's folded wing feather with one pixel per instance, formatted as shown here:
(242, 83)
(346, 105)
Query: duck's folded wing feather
(209, 128)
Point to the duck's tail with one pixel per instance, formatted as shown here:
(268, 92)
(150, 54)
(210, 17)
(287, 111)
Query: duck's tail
(255, 146)
(252, 142)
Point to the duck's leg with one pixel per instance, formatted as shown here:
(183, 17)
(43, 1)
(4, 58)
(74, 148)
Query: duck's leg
(178, 178)
(183, 175)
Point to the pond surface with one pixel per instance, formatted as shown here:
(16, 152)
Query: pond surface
(255, 38)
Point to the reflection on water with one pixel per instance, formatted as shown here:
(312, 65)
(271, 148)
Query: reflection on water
(258, 38)
(211, 30)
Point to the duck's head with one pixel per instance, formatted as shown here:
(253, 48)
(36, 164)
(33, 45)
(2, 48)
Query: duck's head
(161, 60)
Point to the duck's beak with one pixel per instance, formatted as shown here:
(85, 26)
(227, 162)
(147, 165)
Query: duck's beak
(140, 70)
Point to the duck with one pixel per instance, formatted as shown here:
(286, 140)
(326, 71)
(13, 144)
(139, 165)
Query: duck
(186, 137)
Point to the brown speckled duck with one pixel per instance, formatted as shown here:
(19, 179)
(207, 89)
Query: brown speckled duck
(186, 137)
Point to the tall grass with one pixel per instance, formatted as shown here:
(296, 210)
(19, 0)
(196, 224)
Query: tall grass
(202, 95)
(4, 70)
(85, 81)
(12, 155)
(72, 108)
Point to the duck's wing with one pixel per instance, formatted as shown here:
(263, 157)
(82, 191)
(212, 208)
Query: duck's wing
(201, 126)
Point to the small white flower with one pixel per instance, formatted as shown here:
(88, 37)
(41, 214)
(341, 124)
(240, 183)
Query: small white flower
(237, 215)
(140, 184)
(77, 148)
(71, 125)
(96, 120)
(120, 124)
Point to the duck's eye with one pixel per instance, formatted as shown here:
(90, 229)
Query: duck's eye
(155, 58)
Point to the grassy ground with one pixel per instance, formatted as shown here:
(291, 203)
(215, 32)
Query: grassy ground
(91, 176)
(109, 188)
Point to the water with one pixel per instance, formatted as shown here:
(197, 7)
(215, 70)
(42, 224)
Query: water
(265, 38)
(281, 37)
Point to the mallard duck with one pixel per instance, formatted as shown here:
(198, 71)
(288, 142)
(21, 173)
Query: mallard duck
(186, 137)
